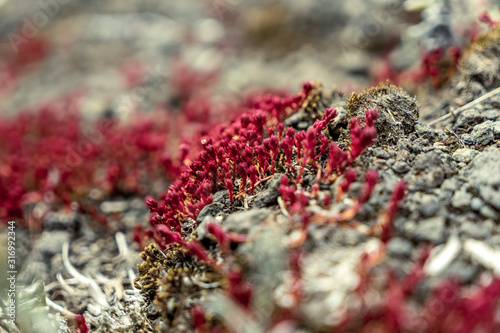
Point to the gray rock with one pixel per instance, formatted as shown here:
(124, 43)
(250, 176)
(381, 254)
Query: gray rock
(52, 242)
(445, 195)
(431, 230)
(491, 194)
(219, 196)
(434, 178)
(401, 167)
(59, 221)
(270, 194)
(247, 222)
(474, 230)
(476, 204)
(483, 133)
(468, 139)
(461, 199)
(489, 212)
(201, 230)
(210, 210)
(461, 271)
(464, 155)
(33, 270)
(348, 237)
(496, 129)
(473, 116)
(381, 153)
(484, 176)
(400, 247)
(114, 206)
(427, 160)
(429, 205)
(429, 133)
(407, 227)
(403, 144)
(450, 184)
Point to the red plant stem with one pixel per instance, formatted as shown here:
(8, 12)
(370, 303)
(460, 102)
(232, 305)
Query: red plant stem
(257, 183)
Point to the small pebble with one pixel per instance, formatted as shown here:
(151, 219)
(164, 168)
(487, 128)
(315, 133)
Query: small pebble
(247, 222)
(464, 155)
(483, 133)
(461, 200)
(474, 230)
(401, 167)
(400, 247)
(476, 204)
(468, 139)
(381, 153)
(489, 212)
(431, 230)
(114, 206)
(429, 205)
(450, 184)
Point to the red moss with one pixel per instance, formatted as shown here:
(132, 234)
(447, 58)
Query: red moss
(199, 320)
(398, 194)
(80, 324)
(486, 18)
(239, 289)
(228, 153)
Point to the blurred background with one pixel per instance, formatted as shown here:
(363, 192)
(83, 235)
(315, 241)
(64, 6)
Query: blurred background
(128, 54)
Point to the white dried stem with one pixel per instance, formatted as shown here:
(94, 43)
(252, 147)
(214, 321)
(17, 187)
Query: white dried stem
(96, 292)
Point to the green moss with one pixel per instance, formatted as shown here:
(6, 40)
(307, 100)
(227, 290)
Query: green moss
(482, 42)
(398, 111)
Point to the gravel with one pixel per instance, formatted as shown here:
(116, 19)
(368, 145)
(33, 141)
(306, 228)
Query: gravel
(464, 155)
(400, 247)
(475, 230)
(248, 222)
(268, 196)
(431, 230)
(461, 199)
(429, 205)
(483, 133)
(210, 210)
(114, 206)
(483, 176)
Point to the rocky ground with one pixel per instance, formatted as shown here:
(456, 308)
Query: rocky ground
(445, 149)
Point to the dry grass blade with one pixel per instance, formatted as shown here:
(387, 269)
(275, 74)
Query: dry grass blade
(464, 107)
(96, 291)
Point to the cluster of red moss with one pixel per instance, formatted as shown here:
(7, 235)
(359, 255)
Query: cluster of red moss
(228, 152)
(240, 156)
(52, 155)
(239, 153)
